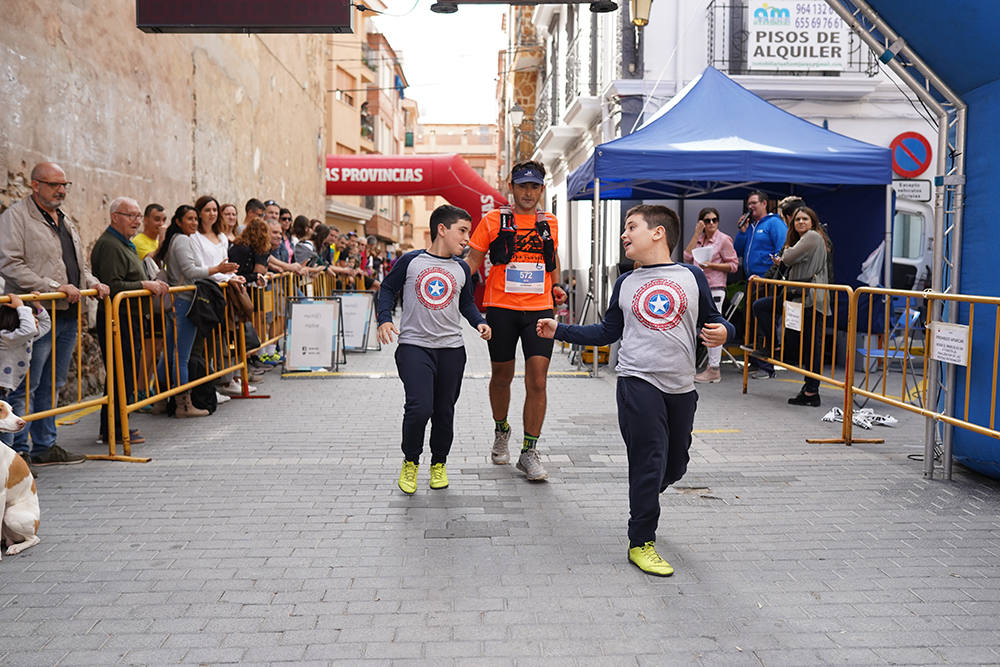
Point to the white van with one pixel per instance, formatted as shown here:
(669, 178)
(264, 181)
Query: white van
(912, 245)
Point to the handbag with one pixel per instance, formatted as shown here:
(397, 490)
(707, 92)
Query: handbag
(239, 301)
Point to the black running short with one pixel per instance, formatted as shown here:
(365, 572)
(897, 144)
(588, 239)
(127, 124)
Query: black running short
(509, 326)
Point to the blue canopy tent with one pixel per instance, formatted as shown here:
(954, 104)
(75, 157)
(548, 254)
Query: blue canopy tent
(717, 140)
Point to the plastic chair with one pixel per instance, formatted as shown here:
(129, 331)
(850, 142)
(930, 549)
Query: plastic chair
(895, 346)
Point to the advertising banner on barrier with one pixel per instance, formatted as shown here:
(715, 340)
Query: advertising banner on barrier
(796, 35)
(313, 338)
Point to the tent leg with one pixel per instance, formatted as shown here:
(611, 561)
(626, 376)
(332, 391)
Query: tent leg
(598, 288)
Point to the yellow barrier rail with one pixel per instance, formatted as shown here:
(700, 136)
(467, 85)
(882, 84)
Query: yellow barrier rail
(907, 337)
(806, 351)
(81, 402)
(141, 321)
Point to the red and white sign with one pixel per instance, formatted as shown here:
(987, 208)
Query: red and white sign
(911, 154)
(449, 176)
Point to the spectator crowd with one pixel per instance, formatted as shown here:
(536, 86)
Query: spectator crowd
(145, 247)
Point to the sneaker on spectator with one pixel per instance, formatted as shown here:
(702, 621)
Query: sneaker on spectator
(56, 456)
(531, 465)
(221, 398)
(709, 375)
(272, 359)
(235, 388)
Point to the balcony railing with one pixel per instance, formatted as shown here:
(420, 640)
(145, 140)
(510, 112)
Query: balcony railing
(729, 38)
(581, 75)
(547, 108)
(369, 57)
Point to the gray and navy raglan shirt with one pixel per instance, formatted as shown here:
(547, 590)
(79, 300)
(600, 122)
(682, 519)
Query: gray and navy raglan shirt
(436, 292)
(657, 311)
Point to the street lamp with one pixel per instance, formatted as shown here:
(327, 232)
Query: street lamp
(405, 219)
(639, 9)
(516, 115)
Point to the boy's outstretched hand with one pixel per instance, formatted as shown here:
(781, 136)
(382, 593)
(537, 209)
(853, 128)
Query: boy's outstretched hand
(385, 332)
(546, 327)
(15, 301)
(485, 332)
(714, 334)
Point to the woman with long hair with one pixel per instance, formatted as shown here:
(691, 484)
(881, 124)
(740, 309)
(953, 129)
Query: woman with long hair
(805, 253)
(722, 260)
(210, 240)
(183, 266)
(229, 216)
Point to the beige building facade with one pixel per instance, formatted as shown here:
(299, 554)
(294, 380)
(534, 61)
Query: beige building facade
(477, 144)
(367, 113)
(158, 117)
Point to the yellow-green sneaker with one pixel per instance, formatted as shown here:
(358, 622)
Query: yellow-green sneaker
(646, 559)
(408, 478)
(439, 476)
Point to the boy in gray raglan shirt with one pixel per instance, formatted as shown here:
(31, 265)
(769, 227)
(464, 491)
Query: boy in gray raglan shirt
(437, 291)
(658, 311)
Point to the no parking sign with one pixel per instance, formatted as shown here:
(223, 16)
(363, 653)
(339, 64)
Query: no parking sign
(911, 154)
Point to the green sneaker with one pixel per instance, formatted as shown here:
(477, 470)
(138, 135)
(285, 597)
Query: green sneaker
(408, 478)
(646, 559)
(439, 476)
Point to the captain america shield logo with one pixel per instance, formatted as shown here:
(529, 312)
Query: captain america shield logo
(659, 304)
(435, 288)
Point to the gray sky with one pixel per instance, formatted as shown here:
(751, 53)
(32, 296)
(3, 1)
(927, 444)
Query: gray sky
(450, 60)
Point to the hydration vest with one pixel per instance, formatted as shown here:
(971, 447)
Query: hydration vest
(502, 247)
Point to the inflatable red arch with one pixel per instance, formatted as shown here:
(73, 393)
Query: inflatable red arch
(448, 175)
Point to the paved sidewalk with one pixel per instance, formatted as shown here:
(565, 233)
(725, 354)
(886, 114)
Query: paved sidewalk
(274, 532)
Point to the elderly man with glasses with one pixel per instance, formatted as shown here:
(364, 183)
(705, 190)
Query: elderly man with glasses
(40, 251)
(115, 261)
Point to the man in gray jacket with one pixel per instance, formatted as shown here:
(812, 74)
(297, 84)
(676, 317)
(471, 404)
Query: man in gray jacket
(40, 251)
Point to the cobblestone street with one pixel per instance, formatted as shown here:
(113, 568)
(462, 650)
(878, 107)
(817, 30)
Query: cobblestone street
(274, 532)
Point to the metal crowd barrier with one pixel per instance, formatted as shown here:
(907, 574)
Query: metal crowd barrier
(142, 320)
(813, 350)
(81, 403)
(911, 323)
(136, 331)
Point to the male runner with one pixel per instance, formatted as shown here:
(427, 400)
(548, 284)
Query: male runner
(521, 241)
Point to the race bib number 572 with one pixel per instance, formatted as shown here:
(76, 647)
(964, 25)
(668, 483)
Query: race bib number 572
(524, 278)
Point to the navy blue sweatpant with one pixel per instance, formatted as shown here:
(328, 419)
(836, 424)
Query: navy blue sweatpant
(432, 380)
(656, 428)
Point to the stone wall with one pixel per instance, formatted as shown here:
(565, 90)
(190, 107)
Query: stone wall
(157, 117)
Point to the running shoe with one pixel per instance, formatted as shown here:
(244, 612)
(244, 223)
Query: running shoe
(408, 478)
(531, 465)
(646, 559)
(439, 476)
(500, 452)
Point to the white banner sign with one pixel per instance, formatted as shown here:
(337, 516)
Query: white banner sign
(311, 335)
(793, 315)
(357, 307)
(799, 36)
(950, 343)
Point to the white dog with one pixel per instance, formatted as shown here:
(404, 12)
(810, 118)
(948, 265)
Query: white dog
(18, 495)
